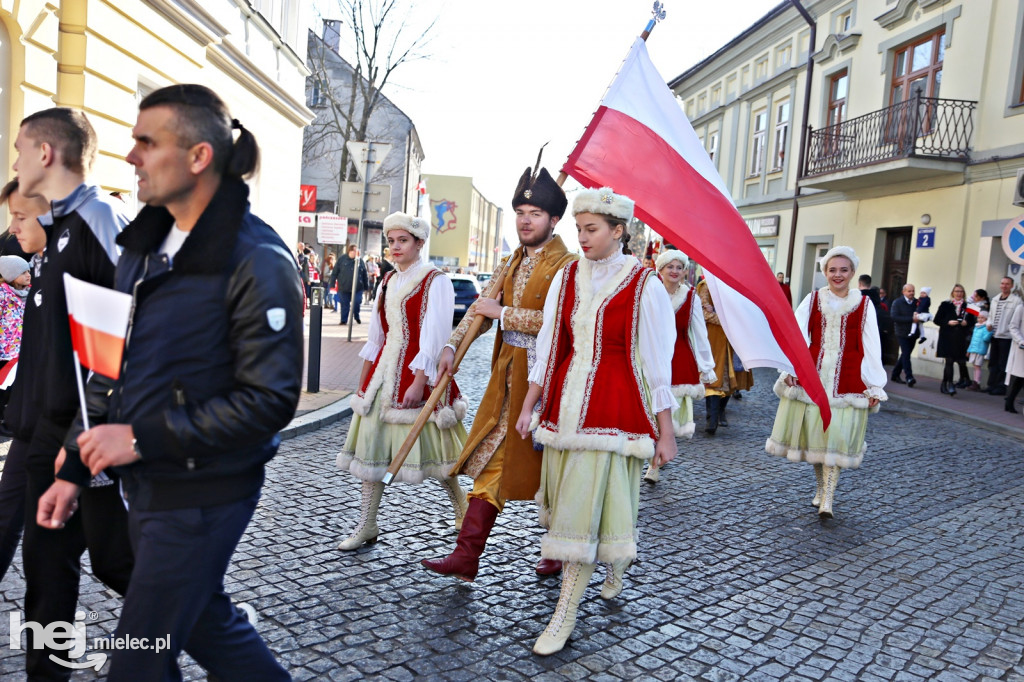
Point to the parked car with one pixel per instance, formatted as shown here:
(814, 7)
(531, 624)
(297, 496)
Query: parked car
(466, 291)
(483, 277)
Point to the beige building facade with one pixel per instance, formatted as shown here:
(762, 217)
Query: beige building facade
(916, 113)
(103, 56)
(465, 228)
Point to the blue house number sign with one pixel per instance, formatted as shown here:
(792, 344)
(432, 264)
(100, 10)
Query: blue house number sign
(926, 237)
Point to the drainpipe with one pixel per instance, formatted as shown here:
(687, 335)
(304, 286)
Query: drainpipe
(804, 130)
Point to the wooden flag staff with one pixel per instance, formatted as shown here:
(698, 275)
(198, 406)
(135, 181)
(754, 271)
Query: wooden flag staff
(499, 284)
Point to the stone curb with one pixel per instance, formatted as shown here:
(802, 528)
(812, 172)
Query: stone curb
(945, 412)
(318, 419)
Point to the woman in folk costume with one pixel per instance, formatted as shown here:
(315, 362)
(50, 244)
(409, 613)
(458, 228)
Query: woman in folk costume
(693, 365)
(730, 377)
(409, 325)
(603, 376)
(842, 331)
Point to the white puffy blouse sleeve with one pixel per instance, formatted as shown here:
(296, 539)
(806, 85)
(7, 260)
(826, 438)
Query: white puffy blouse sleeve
(872, 373)
(699, 343)
(657, 340)
(435, 327)
(547, 329)
(375, 338)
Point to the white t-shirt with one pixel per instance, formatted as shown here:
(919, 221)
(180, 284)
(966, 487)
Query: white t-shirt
(175, 238)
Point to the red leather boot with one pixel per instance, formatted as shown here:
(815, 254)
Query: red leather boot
(465, 560)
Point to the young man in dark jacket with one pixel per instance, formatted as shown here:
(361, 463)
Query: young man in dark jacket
(347, 265)
(211, 372)
(56, 148)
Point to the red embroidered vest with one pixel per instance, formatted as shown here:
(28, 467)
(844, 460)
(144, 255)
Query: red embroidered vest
(851, 352)
(684, 363)
(614, 410)
(414, 307)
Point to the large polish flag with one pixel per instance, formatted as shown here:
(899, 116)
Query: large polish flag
(99, 322)
(641, 144)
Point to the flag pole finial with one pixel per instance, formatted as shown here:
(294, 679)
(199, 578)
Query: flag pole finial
(658, 15)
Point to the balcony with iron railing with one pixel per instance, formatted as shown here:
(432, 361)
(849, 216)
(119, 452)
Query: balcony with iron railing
(923, 137)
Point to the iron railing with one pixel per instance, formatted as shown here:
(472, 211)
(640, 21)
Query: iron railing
(919, 127)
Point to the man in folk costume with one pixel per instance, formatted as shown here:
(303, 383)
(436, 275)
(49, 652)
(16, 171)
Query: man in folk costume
(729, 380)
(410, 320)
(842, 332)
(693, 364)
(503, 466)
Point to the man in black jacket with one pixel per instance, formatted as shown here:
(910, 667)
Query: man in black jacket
(342, 274)
(903, 319)
(211, 373)
(56, 148)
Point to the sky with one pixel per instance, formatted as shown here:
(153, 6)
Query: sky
(504, 77)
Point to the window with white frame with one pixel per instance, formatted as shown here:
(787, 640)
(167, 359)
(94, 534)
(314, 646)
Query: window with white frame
(761, 68)
(844, 22)
(716, 95)
(782, 110)
(712, 145)
(783, 56)
(757, 142)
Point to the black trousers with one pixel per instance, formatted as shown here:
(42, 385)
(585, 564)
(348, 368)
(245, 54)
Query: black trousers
(999, 352)
(12, 503)
(52, 557)
(903, 363)
(947, 370)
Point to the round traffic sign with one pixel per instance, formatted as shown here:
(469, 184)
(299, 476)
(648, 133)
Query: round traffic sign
(1013, 240)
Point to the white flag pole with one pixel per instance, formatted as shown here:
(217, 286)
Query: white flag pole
(81, 390)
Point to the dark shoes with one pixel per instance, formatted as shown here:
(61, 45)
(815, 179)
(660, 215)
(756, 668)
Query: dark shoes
(897, 380)
(549, 567)
(910, 382)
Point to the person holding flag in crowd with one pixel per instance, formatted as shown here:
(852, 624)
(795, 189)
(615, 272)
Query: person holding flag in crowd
(608, 331)
(56, 150)
(842, 331)
(693, 364)
(409, 324)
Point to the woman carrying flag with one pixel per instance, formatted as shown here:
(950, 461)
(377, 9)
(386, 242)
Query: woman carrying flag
(693, 365)
(842, 332)
(608, 331)
(410, 323)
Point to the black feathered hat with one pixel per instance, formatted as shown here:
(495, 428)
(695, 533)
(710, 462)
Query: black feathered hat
(540, 190)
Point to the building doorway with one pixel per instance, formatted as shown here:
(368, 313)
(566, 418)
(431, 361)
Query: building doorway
(897, 260)
(812, 278)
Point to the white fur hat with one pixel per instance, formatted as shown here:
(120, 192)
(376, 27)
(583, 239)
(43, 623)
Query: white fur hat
(668, 256)
(605, 202)
(926, 291)
(417, 227)
(844, 251)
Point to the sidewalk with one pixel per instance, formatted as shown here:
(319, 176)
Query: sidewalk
(970, 407)
(340, 366)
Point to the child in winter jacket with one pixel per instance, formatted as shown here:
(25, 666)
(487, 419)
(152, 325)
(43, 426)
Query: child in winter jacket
(978, 349)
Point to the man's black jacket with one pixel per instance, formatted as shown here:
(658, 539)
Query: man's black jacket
(342, 274)
(212, 364)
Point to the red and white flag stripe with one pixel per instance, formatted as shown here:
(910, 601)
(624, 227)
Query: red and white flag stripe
(8, 373)
(99, 321)
(641, 144)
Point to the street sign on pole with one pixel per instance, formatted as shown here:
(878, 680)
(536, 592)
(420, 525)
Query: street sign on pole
(360, 152)
(1013, 240)
(378, 201)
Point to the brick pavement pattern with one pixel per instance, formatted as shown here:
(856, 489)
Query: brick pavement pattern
(918, 577)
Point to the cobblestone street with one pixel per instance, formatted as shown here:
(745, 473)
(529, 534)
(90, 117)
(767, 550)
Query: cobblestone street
(919, 576)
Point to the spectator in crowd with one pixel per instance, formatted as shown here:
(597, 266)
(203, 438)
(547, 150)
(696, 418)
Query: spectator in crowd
(781, 277)
(372, 273)
(30, 237)
(385, 267)
(1015, 358)
(981, 337)
(883, 296)
(882, 316)
(979, 300)
(303, 267)
(1000, 313)
(904, 323)
(330, 299)
(349, 266)
(924, 312)
(956, 325)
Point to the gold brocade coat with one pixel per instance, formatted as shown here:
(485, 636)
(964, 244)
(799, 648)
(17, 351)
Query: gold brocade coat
(729, 380)
(520, 474)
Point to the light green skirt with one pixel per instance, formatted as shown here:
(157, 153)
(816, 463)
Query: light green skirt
(797, 434)
(371, 444)
(589, 502)
(682, 418)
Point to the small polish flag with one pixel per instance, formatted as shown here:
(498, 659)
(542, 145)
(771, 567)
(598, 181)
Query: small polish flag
(422, 187)
(8, 373)
(99, 321)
